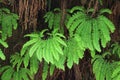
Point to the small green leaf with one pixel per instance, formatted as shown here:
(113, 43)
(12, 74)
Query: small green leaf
(2, 56)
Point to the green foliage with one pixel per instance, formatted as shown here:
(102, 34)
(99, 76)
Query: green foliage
(16, 60)
(74, 51)
(2, 56)
(8, 21)
(49, 49)
(102, 68)
(9, 73)
(92, 30)
(55, 50)
(53, 18)
(116, 49)
(107, 65)
(45, 71)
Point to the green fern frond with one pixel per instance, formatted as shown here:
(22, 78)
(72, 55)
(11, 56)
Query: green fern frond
(24, 74)
(74, 51)
(75, 16)
(102, 11)
(109, 23)
(99, 65)
(2, 56)
(77, 8)
(116, 49)
(104, 69)
(90, 10)
(45, 71)
(53, 18)
(104, 31)
(52, 68)
(96, 36)
(3, 43)
(34, 64)
(7, 74)
(26, 60)
(8, 21)
(16, 60)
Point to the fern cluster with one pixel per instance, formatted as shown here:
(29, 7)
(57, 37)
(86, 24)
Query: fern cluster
(92, 31)
(8, 21)
(53, 49)
(105, 67)
(74, 51)
(9, 73)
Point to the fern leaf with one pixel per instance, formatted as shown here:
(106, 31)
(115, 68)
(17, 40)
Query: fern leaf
(86, 35)
(104, 29)
(7, 75)
(16, 76)
(54, 51)
(70, 61)
(103, 70)
(74, 17)
(33, 35)
(26, 60)
(105, 11)
(109, 72)
(90, 10)
(45, 71)
(99, 69)
(46, 53)
(52, 68)
(2, 69)
(57, 9)
(30, 42)
(57, 18)
(75, 24)
(105, 34)
(60, 35)
(14, 22)
(33, 48)
(81, 27)
(60, 64)
(109, 24)
(95, 36)
(2, 56)
(34, 64)
(58, 39)
(23, 73)
(3, 43)
(47, 16)
(77, 8)
(57, 47)
(116, 72)
(39, 53)
(51, 21)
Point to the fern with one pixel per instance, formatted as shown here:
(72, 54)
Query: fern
(74, 51)
(45, 71)
(53, 18)
(9, 73)
(116, 49)
(2, 56)
(102, 68)
(91, 30)
(16, 60)
(8, 21)
(49, 49)
(34, 64)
